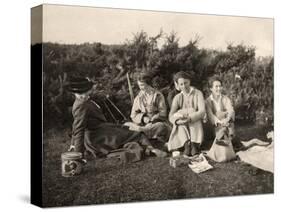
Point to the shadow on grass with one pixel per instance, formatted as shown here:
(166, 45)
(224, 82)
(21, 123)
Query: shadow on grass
(152, 179)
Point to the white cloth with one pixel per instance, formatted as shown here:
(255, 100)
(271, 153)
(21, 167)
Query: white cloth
(259, 154)
(178, 137)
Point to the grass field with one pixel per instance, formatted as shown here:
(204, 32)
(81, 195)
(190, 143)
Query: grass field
(108, 181)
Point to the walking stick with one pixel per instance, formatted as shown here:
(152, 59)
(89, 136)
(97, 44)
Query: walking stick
(116, 108)
(110, 112)
(130, 89)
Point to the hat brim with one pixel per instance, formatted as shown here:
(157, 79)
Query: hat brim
(76, 87)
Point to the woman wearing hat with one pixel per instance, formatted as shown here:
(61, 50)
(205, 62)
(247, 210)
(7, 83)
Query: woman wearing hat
(149, 111)
(186, 114)
(90, 129)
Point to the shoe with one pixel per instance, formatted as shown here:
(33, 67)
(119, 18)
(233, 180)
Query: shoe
(237, 144)
(221, 143)
(147, 152)
(187, 148)
(159, 153)
(165, 147)
(194, 149)
(84, 161)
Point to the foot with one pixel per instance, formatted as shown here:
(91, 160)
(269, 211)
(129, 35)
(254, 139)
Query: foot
(159, 153)
(221, 143)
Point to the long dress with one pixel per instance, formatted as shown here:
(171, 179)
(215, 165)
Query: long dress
(191, 104)
(150, 104)
(91, 131)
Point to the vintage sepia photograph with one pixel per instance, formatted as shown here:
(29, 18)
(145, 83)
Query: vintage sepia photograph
(143, 105)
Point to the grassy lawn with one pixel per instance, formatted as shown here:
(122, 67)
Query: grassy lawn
(108, 181)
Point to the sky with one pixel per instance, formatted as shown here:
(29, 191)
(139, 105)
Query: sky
(76, 25)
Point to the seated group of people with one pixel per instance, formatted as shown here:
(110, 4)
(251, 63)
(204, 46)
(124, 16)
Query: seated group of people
(181, 129)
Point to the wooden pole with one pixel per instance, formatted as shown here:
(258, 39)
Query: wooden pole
(130, 89)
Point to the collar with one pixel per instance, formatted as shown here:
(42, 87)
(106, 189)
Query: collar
(213, 99)
(149, 91)
(82, 98)
(191, 89)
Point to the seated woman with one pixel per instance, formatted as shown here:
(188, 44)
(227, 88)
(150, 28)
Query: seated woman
(187, 112)
(149, 111)
(220, 110)
(90, 129)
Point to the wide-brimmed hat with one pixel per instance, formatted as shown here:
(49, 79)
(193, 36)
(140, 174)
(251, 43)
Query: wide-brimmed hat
(79, 85)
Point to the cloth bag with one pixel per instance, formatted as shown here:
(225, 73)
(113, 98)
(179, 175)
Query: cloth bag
(131, 152)
(178, 137)
(222, 149)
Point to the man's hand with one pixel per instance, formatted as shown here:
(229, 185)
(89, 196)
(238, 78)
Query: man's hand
(71, 148)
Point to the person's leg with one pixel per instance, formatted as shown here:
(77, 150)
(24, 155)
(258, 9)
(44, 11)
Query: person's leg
(144, 141)
(187, 148)
(236, 142)
(209, 136)
(195, 148)
(196, 137)
(160, 131)
(220, 132)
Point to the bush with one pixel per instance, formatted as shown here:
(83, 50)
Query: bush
(247, 80)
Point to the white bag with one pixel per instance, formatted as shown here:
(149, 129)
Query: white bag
(221, 151)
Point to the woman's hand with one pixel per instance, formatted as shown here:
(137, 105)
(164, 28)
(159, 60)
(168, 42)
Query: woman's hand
(182, 121)
(225, 122)
(221, 115)
(154, 118)
(183, 113)
(146, 120)
(218, 122)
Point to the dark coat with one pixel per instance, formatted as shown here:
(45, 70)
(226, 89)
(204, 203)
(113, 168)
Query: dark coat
(91, 130)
